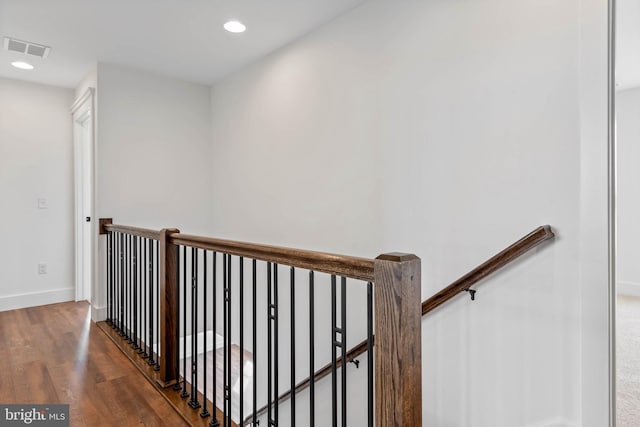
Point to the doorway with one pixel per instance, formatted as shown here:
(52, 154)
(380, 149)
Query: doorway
(84, 149)
(627, 138)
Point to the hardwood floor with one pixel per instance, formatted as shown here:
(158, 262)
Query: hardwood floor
(55, 354)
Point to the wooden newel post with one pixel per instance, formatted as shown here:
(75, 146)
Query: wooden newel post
(398, 345)
(169, 308)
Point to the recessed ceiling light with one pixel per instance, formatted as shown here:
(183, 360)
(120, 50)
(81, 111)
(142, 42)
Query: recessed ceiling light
(22, 65)
(235, 27)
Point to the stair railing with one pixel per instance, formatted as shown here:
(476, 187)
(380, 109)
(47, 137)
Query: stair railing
(155, 282)
(463, 284)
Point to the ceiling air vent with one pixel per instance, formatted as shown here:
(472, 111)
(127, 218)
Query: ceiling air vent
(28, 48)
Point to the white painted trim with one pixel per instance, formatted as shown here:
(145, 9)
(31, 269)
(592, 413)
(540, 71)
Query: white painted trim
(34, 299)
(554, 422)
(628, 288)
(89, 93)
(98, 314)
(612, 202)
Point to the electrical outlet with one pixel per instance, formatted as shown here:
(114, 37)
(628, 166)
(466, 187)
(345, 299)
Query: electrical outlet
(42, 268)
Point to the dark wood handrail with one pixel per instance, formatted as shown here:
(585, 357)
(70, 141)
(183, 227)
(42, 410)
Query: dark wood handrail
(341, 265)
(134, 231)
(493, 264)
(504, 257)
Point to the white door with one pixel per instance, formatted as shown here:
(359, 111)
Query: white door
(83, 135)
(87, 211)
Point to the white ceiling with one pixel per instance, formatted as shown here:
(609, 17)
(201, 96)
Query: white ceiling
(178, 38)
(628, 43)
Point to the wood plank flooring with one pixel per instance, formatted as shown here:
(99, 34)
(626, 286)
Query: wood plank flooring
(181, 405)
(55, 354)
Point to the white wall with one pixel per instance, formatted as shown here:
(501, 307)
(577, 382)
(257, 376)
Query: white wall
(448, 129)
(36, 161)
(153, 150)
(628, 131)
(153, 145)
(90, 80)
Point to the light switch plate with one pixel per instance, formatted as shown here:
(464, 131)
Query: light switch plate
(43, 203)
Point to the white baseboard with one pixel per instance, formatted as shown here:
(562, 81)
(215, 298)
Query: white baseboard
(554, 422)
(98, 314)
(628, 288)
(34, 299)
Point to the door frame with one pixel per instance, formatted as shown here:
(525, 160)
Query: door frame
(612, 204)
(84, 109)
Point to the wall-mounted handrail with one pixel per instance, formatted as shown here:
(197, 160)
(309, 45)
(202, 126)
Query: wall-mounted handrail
(498, 261)
(493, 264)
(342, 265)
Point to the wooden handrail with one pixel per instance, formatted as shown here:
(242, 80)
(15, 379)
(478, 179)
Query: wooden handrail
(493, 264)
(341, 265)
(134, 231)
(504, 257)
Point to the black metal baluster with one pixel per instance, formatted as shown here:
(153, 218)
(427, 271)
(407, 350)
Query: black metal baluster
(370, 354)
(112, 264)
(293, 346)
(177, 386)
(111, 281)
(214, 420)
(116, 280)
(228, 348)
(123, 330)
(127, 272)
(343, 347)
(334, 379)
(184, 393)
(130, 288)
(255, 346)
(204, 412)
(226, 338)
(130, 291)
(312, 342)
(135, 293)
(193, 402)
(241, 276)
(158, 331)
(275, 344)
(269, 347)
(121, 320)
(151, 316)
(108, 278)
(108, 283)
(140, 296)
(145, 317)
